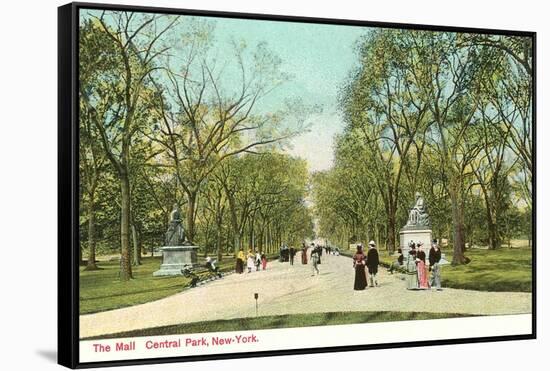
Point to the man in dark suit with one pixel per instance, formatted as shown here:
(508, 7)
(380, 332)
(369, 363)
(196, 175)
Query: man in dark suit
(372, 264)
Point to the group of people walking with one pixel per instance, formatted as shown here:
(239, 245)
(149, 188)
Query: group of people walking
(368, 260)
(254, 260)
(420, 274)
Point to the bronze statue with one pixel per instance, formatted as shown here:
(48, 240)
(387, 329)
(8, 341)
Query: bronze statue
(175, 235)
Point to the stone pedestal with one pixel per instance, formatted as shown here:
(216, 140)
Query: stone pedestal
(176, 258)
(416, 235)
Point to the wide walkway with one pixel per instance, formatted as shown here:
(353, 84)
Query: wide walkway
(285, 289)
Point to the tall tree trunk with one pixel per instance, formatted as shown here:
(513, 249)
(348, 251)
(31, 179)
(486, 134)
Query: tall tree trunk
(459, 241)
(125, 266)
(137, 250)
(91, 265)
(219, 242)
(391, 232)
(190, 215)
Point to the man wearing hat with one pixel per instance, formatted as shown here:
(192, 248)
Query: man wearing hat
(372, 264)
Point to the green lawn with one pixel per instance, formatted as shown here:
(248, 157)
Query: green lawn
(102, 290)
(491, 270)
(504, 269)
(282, 321)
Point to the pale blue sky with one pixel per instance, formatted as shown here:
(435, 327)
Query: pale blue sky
(319, 57)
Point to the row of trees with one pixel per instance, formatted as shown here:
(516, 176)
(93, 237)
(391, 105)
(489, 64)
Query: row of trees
(162, 120)
(442, 113)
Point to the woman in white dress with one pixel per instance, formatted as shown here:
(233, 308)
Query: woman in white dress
(250, 261)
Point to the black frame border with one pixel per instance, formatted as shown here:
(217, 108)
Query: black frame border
(68, 182)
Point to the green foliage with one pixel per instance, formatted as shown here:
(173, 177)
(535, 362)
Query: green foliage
(437, 112)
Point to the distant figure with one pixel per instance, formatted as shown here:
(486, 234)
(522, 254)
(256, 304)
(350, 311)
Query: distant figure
(315, 260)
(434, 258)
(360, 282)
(239, 265)
(258, 261)
(398, 264)
(304, 253)
(372, 263)
(250, 261)
(422, 270)
(319, 252)
(292, 253)
(264, 262)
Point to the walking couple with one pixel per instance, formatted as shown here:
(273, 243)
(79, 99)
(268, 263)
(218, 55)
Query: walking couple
(371, 261)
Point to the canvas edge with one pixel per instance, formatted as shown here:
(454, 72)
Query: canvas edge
(68, 307)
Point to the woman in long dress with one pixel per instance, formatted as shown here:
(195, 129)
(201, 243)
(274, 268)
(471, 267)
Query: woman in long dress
(422, 270)
(304, 253)
(250, 261)
(360, 282)
(264, 262)
(239, 264)
(412, 273)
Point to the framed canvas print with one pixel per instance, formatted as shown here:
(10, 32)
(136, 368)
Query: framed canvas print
(239, 185)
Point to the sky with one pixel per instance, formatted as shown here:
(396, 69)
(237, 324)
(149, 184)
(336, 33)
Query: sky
(319, 57)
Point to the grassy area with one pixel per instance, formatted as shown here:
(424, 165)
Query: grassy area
(102, 290)
(504, 269)
(282, 321)
(491, 270)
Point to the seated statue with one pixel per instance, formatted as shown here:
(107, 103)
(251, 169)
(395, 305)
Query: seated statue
(418, 215)
(175, 235)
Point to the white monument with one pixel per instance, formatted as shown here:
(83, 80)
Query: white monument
(417, 229)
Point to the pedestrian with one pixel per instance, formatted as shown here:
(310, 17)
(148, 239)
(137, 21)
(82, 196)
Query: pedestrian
(398, 264)
(411, 268)
(315, 260)
(258, 261)
(239, 265)
(372, 264)
(250, 261)
(434, 258)
(360, 282)
(421, 268)
(264, 262)
(304, 253)
(316, 248)
(292, 253)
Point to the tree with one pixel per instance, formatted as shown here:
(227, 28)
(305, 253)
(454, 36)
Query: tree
(385, 112)
(116, 60)
(204, 120)
(91, 168)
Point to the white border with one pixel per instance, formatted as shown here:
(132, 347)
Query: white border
(311, 337)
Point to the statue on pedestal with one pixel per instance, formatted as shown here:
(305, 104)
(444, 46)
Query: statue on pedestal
(179, 256)
(418, 215)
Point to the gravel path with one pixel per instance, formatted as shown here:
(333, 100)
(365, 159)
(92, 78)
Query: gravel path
(286, 289)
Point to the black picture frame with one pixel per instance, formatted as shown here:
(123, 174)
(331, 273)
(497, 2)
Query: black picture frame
(68, 183)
